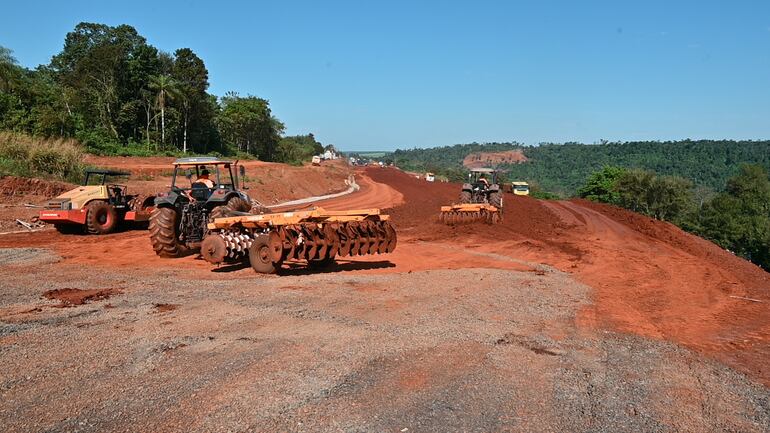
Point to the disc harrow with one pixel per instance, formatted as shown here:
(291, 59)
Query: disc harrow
(470, 213)
(315, 236)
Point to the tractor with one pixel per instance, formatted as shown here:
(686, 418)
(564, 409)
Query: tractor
(179, 222)
(480, 200)
(482, 188)
(97, 207)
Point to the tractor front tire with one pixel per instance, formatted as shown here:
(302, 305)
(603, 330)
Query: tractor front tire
(465, 197)
(101, 218)
(261, 257)
(163, 233)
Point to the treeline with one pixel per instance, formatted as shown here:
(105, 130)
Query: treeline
(446, 160)
(562, 168)
(112, 91)
(737, 219)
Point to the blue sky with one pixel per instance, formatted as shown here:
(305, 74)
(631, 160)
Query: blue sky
(369, 75)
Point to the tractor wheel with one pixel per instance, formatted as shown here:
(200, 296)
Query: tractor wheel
(101, 218)
(163, 233)
(238, 204)
(260, 256)
(465, 197)
(496, 200)
(219, 212)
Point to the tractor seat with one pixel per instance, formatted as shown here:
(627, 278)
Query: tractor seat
(200, 192)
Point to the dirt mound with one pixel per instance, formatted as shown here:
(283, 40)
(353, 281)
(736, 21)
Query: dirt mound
(649, 277)
(751, 275)
(73, 297)
(523, 218)
(493, 159)
(21, 189)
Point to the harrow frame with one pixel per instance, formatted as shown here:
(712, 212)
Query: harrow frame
(316, 236)
(470, 212)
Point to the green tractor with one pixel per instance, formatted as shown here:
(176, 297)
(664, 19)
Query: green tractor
(179, 222)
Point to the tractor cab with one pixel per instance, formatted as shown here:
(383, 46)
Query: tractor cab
(207, 178)
(481, 179)
(114, 193)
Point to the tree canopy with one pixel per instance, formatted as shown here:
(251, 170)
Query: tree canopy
(114, 92)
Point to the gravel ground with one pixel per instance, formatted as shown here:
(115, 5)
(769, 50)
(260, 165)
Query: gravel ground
(442, 350)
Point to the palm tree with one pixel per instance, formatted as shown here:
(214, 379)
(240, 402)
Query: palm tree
(167, 88)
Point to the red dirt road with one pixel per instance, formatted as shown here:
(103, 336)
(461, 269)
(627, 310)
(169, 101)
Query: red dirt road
(649, 277)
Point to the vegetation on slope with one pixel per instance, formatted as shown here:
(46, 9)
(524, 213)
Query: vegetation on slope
(562, 168)
(118, 95)
(737, 219)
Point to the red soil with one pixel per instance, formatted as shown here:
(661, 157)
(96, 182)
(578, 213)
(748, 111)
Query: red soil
(72, 297)
(492, 159)
(649, 277)
(24, 190)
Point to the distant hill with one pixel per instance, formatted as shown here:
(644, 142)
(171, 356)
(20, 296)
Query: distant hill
(494, 159)
(562, 168)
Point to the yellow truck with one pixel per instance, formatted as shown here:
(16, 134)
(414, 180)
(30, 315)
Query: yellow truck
(520, 188)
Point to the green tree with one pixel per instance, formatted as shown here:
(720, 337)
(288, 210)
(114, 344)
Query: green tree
(166, 88)
(739, 218)
(298, 149)
(248, 124)
(661, 197)
(602, 185)
(8, 68)
(190, 72)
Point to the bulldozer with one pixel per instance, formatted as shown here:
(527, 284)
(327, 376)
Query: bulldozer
(97, 207)
(179, 221)
(481, 199)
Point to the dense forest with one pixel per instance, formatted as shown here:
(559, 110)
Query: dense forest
(116, 94)
(563, 168)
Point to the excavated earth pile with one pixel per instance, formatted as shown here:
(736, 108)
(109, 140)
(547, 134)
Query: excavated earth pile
(648, 277)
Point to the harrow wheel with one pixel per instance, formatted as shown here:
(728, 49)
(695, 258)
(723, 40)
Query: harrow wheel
(261, 256)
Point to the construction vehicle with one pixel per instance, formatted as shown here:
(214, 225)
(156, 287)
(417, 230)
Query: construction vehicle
(520, 188)
(179, 221)
(480, 200)
(316, 236)
(97, 207)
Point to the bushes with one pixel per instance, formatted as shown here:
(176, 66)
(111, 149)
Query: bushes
(22, 155)
(737, 219)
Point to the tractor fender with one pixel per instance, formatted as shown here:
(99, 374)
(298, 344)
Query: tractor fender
(494, 188)
(467, 187)
(168, 199)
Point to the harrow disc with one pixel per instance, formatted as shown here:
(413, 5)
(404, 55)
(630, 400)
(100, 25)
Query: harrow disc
(214, 249)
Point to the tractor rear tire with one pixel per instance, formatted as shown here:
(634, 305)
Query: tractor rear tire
(238, 204)
(219, 212)
(496, 200)
(163, 233)
(465, 197)
(260, 256)
(101, 218)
